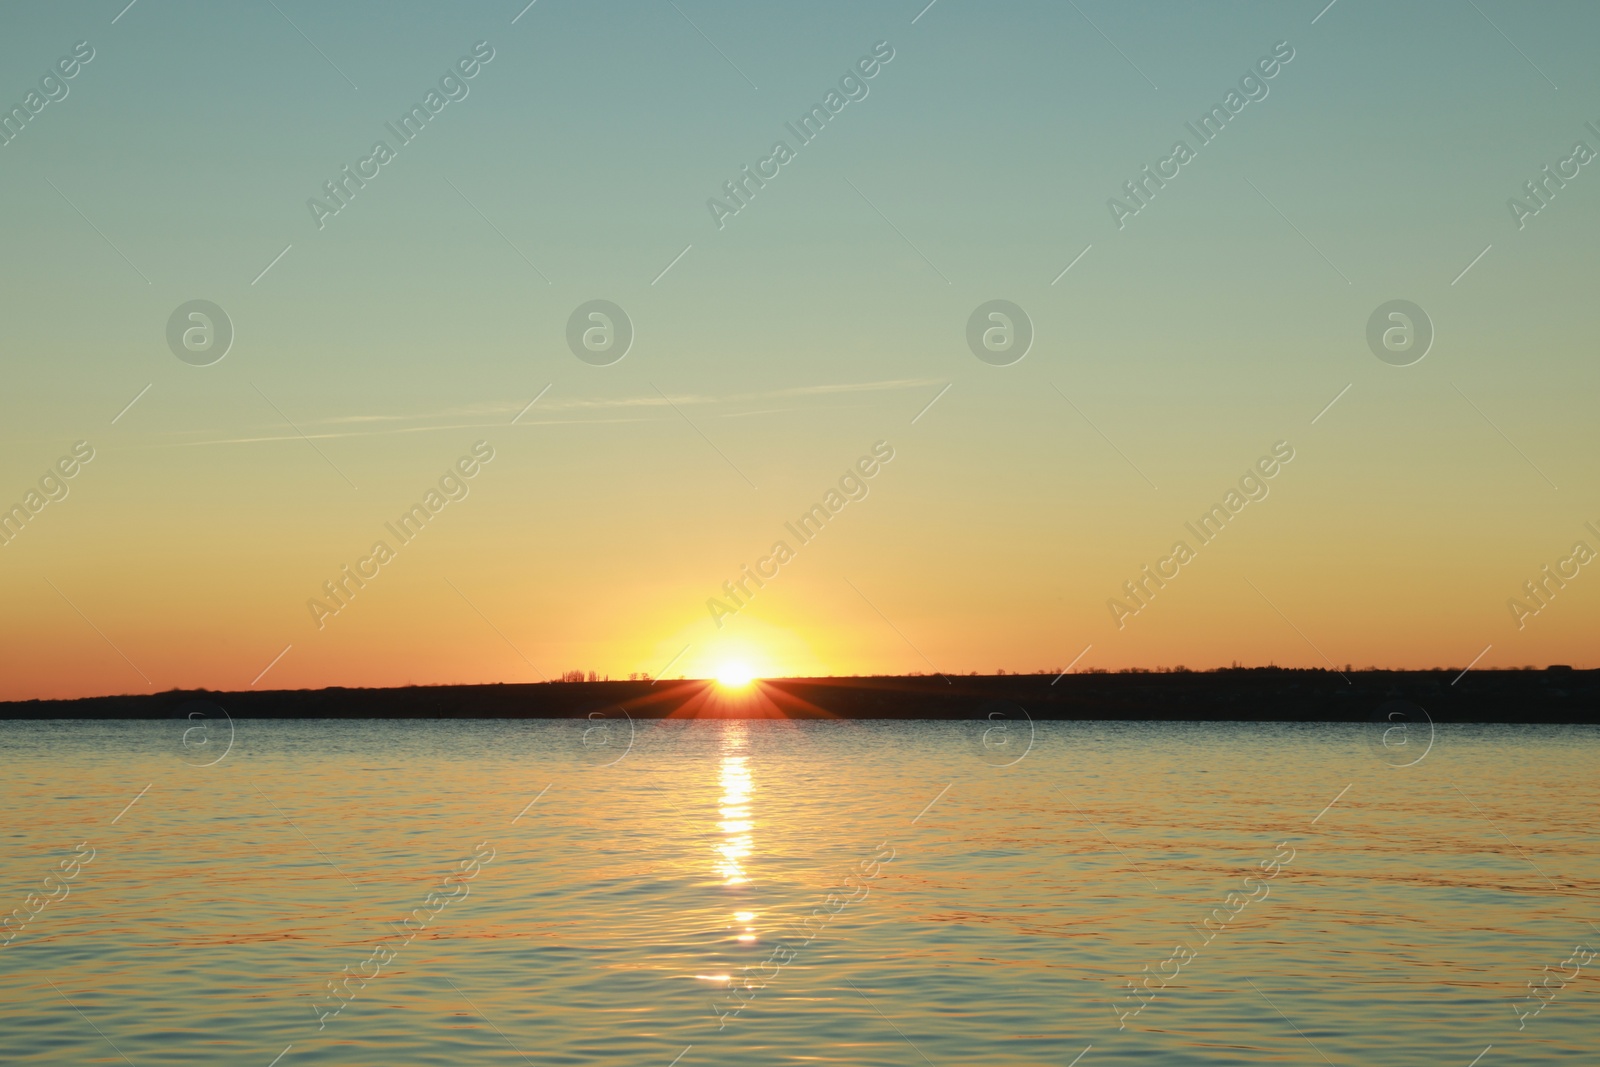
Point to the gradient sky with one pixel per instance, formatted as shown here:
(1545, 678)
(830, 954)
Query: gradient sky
(822, 318)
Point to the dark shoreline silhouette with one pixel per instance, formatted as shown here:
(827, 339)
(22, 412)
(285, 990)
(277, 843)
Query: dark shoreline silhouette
(1260, 694)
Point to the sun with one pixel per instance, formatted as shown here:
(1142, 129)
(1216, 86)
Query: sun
(734, 676)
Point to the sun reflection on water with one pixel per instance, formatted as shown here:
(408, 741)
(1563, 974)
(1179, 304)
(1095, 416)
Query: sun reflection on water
(736, 824)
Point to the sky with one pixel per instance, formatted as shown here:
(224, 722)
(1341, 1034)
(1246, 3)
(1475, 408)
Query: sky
(773, 347)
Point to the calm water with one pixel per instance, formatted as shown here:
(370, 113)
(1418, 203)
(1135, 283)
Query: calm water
(600, 903)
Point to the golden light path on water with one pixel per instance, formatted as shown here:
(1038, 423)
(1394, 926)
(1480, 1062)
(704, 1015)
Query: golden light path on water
(735, 825)
(735, 822)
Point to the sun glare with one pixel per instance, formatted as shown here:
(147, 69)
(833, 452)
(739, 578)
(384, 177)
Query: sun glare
(734, 676)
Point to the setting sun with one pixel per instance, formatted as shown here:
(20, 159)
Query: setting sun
(734, 676)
